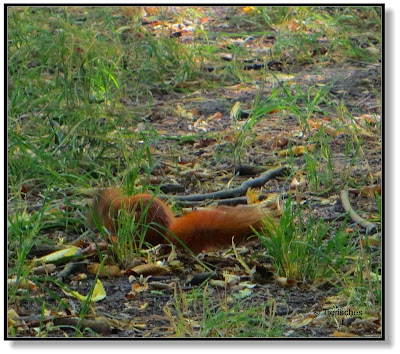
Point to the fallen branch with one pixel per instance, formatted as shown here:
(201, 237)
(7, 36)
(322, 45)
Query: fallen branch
(367, 225)
(70, 268)
(98, 325)
(236, 192)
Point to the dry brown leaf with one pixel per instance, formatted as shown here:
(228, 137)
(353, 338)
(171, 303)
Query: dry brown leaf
(79, 277)
(216, 115)
(136, 289)
(279, 141)
(369, 191)
(372, 241)
(107, 271)
(343, 334)
(285, 282)
(44, 269)
(181, 112)
(150, 269)
(301, 322)
(369, 324)
(151, 10)
(367, 119)
(23, 284)
(298, 182)
(296, 150)
(24, 191)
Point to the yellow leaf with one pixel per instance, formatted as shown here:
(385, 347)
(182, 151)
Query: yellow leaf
(252, 198)
(61, 254)
(143, 306)
(235, 111)
(296, 150)
(249, 10)
(243, 293)
(98, 293)
(301, 322)
(12, 318)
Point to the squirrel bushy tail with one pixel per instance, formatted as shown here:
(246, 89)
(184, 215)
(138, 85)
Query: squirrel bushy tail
(207, 229)
(213, 229)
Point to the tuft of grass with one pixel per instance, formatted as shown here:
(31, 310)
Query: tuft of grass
(228, 318)
(298, 247)
(307, 249)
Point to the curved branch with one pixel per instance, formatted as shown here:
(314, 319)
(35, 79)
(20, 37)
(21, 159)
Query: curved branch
(367, 225)
(239, 191)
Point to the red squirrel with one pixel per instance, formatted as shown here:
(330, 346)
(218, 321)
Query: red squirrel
(208, 229)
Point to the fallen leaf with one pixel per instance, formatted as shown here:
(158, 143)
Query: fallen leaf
(98, 293)
(252, 198)
(298, 182)
(248, 9)
(80, 277)
(23, 284)
(301, 322)
(285, 282)
(343, 334)
(279, 141)
(12, 318)
(60, 255)
(296, 150)
(369, 191)
(107, 271)
(44, 269)
(235, 111)
(150, 269)
(371, 241)
(243, 293)
(136, 289)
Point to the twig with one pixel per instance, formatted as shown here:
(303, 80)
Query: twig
(367, 225)
(236, 192)
(98, 325)
(70, 268)
(363, 62)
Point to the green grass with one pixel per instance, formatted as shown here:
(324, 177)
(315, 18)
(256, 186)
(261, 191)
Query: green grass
(306, 248)
(221, 318)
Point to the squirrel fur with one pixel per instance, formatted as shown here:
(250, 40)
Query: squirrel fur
(208, 229)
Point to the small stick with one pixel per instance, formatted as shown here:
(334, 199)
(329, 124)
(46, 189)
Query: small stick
(367, 225)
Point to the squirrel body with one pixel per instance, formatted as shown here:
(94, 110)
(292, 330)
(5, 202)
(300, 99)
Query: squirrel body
(208, 229)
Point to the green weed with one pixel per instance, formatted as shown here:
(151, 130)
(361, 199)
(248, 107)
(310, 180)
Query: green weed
(299, 248)
(227, 318)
